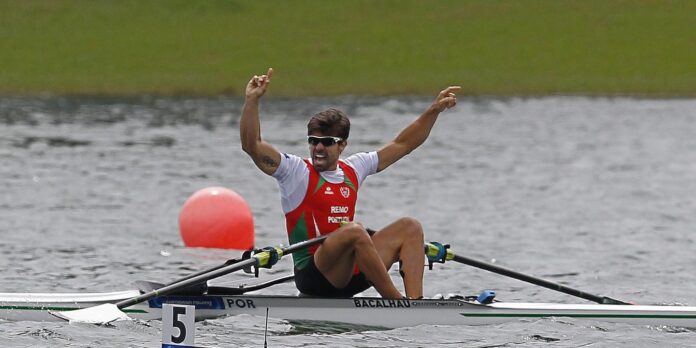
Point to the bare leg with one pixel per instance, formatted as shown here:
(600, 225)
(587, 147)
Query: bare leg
(348, 245)
(403, 240)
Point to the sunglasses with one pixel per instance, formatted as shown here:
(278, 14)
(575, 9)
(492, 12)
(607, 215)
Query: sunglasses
(326, 141)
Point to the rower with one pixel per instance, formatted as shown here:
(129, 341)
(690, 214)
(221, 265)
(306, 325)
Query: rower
(319, 194)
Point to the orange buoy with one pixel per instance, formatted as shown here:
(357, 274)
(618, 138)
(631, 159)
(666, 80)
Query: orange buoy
(217, 217)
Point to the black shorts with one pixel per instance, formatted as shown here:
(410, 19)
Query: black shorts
(311, 282)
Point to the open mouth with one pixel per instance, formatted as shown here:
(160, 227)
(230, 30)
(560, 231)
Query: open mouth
(320, 159)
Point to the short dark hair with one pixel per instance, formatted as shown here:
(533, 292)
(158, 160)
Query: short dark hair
(332, 122)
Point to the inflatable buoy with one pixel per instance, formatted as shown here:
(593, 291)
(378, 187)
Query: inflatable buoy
(217, 217)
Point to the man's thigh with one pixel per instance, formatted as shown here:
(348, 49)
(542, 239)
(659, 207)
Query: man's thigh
(335, 258)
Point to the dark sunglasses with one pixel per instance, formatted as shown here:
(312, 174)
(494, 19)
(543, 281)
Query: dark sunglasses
(326, 141)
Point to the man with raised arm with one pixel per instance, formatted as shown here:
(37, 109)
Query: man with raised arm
(318, 197)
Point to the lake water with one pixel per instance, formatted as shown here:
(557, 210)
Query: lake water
(595, 193)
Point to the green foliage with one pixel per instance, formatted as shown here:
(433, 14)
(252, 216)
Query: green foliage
(523, 47)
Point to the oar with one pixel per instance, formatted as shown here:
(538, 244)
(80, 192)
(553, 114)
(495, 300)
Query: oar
(437, 252)
(108, 312)
(146, 286)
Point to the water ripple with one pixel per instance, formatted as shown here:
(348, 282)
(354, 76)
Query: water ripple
(595, 193)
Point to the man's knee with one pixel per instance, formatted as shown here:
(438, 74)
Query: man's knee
(411, 226)
(356, 233)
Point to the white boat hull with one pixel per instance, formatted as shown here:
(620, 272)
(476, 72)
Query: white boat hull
(363, 311)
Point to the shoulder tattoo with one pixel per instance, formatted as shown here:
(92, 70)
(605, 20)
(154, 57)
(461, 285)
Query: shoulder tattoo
(269, 162)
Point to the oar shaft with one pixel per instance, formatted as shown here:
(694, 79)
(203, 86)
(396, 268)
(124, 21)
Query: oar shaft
(205, 271)
(216, 272)
(534, 280)
(185, 283)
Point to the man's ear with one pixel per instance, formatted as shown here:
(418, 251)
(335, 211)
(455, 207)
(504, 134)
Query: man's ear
(342, 145)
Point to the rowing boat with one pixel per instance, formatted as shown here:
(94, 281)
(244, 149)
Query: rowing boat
(218, 301)
(363, 311)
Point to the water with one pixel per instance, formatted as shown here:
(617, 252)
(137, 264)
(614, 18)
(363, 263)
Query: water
(597, 194)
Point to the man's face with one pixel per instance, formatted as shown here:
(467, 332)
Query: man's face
(325, 151)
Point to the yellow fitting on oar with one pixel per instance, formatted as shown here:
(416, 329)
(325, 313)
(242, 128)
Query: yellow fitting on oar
(450, 255)
(431, 250)
(279, 250)
(268, 257)
(262, 258)
(437, 253)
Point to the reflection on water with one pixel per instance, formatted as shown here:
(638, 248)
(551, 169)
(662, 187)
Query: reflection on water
(596, 193)
(304, 327)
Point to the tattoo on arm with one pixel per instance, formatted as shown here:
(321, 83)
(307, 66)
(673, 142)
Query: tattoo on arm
(269, 162)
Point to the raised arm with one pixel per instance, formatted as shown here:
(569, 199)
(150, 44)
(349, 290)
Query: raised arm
(415, 134)
(265, 156)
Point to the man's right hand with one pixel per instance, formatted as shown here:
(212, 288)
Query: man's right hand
(258, 84)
